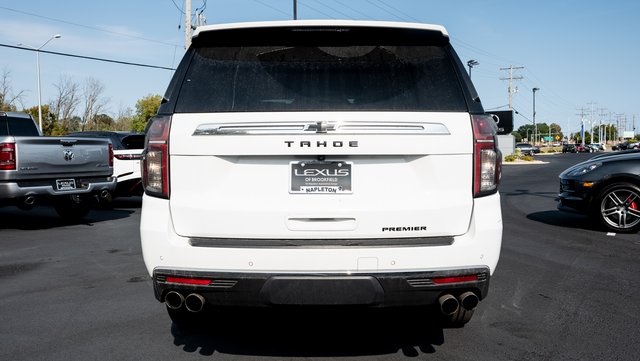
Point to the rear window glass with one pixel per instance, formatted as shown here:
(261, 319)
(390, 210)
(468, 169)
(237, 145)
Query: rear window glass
(359, 76)
(18, 126)
(135, 141)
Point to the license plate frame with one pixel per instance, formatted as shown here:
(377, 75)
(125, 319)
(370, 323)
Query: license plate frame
(320, 177)
(66, 184)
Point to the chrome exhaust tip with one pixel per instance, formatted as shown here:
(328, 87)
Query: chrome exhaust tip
(174, 300)
(469, 300)
(194, 302)
(448, 304)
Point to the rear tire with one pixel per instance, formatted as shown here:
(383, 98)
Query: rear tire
(618, 207)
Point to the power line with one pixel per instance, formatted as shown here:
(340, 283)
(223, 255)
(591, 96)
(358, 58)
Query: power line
(334, 9)
(383, 9)
(316, 10)
(87, 26)
(398, 11)
(352, 9)
(90, 58)
(272, 8)
(177, 7)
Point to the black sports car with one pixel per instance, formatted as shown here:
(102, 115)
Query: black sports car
(607, 187)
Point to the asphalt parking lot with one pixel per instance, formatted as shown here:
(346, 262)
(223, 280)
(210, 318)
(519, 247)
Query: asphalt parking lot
(563, 290)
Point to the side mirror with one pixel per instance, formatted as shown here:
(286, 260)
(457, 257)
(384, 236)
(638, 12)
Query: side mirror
(504, 120)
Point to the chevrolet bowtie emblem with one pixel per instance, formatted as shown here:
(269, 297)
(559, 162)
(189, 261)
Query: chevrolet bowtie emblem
(319, 127)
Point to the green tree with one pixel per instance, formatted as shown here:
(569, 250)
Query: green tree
(146, 108)
(103, 122)
(517, 136)
(48, 119)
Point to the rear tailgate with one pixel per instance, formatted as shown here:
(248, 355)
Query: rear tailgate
(48, 157)
(410, 174)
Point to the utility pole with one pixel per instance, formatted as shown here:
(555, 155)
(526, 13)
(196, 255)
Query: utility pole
(295, 9)
(591, 118)
(622, 126)
(601, 133)
(187, 23)
(535, 126)
(511, 78)
(583, 112)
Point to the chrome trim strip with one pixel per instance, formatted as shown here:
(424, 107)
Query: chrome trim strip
(284, 128)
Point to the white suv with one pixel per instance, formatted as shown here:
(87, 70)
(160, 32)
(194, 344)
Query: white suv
(321, 163)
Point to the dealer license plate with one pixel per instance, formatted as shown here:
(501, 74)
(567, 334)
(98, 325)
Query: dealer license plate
(65, 184)
(320, 177)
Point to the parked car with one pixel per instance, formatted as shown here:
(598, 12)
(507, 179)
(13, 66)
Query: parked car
(593, 147)
(70, 174)
(582, 148)
(318, 163)
(528, 149)
(606, 187)
(127, 152)
(626, 145)
(569, 148)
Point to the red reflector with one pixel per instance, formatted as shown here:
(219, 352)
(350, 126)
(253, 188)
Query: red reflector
(456, 279)
(188, 281)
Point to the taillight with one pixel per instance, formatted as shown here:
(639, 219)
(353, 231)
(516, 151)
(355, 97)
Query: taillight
(155, 161)
(487, 160)
(110, 155)
(7, 156)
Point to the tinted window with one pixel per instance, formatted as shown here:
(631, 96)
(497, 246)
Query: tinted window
(359, 76)
(18, 126)
(113, 137)
(134, 141)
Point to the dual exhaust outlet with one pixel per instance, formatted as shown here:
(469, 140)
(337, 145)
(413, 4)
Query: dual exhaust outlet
(193, 302)
(449, 304)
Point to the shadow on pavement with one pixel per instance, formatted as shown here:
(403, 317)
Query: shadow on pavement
(565, 219)
(312, 332)
(45, 217)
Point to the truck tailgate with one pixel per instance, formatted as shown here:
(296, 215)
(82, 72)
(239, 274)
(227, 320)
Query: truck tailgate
(45, 157)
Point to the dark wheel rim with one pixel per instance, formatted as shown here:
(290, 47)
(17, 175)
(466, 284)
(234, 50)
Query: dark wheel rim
(620, 208)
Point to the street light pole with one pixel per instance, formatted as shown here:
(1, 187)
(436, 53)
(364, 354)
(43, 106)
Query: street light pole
(535, 127)
(471, 63)
(56, 36)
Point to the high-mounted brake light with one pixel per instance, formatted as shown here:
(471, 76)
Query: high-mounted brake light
(155, 160)
(7, 156)
(487, 160)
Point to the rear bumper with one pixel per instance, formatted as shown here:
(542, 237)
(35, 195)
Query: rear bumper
(265, 274)
(46, 187)
(362, 289)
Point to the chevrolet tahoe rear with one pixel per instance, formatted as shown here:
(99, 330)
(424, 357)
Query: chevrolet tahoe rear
(321, 163)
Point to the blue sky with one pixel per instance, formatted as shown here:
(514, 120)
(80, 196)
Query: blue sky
(581, 54)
